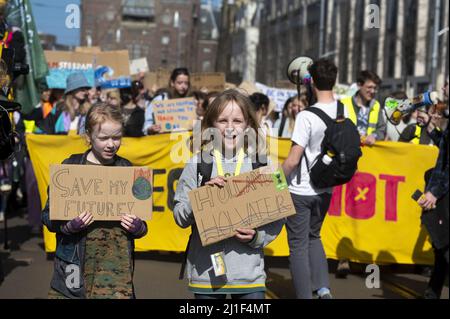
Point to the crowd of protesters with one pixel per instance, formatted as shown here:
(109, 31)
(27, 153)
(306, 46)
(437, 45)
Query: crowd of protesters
(63, 112)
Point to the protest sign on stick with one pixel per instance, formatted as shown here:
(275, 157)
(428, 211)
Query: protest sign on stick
(249, 200)
(107, 192)
(175, 115)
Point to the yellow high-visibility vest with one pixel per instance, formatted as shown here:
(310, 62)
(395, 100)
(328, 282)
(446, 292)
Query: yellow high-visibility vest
(417, 134)
(29, 126)
(373, 116)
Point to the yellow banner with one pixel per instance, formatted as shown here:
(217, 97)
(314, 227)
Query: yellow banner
(371, 219)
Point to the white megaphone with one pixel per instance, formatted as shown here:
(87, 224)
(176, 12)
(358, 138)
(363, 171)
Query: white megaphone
(297, 70)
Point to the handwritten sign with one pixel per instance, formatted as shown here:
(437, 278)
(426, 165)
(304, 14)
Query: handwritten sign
(211, 81)
(107, 192)
(279, 96)
(175, 115)
(249, 200)
(61, 64)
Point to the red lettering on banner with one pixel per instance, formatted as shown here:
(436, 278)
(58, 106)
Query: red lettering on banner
(336, 201)
(360, 196)
(391, 195)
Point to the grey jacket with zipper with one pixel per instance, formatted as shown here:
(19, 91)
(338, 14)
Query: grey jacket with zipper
(244, 261)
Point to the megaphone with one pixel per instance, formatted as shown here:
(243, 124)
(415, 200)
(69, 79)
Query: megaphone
(401, 108)
(297, 70)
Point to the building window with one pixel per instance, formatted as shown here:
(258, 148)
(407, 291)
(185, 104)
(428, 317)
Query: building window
(359, 38)
(344, 50)
(136, 50)
(206, 66)
(138, 10)
(165, 40)
(390, 39)
(410, 37)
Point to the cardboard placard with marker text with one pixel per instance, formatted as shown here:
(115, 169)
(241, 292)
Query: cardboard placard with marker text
(175, 115)
(250, 200)
(107, 192)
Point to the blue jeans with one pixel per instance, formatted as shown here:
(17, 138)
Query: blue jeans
(251, 296)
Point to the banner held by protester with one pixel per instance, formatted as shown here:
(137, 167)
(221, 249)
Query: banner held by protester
(370, 216)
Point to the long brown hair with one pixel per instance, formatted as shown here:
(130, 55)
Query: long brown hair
(217, 107)
(99, 114)
(173, 94)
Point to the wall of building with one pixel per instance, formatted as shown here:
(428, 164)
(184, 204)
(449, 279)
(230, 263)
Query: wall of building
(147, 28)
(400, 50)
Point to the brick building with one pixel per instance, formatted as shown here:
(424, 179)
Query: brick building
(169, 33)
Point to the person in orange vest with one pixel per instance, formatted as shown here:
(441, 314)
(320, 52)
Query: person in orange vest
(365, 111)
(40, 112)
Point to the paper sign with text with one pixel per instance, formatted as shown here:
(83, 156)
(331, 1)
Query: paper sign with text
(175, 115)
(139, 65)
(107, 192)
(249, 200)
(61, 64)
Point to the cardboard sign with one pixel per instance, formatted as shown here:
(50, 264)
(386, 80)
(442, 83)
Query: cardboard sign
(61, 64)
(162, 78)
(210, 81)
(250, 200)
(112, 70)
(139, 65)
(107, 192)
(175, 115)
(88, 49)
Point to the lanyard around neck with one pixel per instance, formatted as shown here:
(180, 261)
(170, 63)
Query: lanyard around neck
(218, 159)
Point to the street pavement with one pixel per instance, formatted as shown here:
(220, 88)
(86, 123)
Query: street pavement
(28, 270)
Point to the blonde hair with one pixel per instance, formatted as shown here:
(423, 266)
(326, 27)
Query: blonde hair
(99, 114)
(114, 94)
(69, 106)
(218, 106)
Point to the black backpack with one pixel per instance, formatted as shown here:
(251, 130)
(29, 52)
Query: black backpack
(342, 143)
(7, 142)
